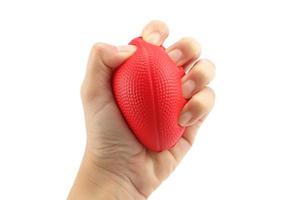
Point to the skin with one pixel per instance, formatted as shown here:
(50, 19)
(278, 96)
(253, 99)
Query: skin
(115, 165)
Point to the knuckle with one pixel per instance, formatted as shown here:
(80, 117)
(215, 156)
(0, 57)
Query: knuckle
(211, 92)
(210, 98)
(158, 24)
(191, 43)
(203, 100)
(204, 71)
(208, 63)
(97, 48)
(197, 104)
(187, 39)
(197, 69)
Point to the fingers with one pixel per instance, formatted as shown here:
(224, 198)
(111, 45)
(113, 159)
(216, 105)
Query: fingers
(197, 107)
(104, 58)
(184, 51)
(201, 73)
(155, 32)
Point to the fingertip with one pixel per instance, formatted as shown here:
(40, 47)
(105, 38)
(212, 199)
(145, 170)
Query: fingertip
(155, 32)
(123, 53)
(111, 56)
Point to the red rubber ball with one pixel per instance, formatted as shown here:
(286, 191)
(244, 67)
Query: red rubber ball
(147, 89)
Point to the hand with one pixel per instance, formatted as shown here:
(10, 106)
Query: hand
(115, 164)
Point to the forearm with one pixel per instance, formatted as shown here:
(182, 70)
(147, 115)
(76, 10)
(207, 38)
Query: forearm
(94, 183)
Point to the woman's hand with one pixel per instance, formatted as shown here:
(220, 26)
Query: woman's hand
(115, 164)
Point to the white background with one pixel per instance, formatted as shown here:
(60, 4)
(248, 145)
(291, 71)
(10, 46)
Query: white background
(247, 149)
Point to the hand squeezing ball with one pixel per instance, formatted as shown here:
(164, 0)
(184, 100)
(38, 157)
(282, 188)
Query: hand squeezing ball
(147, 89)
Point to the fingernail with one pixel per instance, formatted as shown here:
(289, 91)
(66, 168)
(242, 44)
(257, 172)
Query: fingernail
(175, 55)
(153, 38)
(126, 48)
(185, 118)
(188, 88)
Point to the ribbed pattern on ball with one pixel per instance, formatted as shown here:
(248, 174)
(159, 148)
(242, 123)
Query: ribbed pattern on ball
(147, 89)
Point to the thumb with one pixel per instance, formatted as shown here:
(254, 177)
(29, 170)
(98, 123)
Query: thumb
(104, 58)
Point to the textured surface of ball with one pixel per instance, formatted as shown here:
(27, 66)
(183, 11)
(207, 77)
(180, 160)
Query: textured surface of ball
(147, 89)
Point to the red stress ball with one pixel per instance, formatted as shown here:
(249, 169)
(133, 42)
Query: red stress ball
(147, 89)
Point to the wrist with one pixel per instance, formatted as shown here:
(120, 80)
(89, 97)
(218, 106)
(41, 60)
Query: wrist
(96, 182)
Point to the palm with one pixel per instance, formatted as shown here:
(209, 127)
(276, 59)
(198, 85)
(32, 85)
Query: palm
(109, 133)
